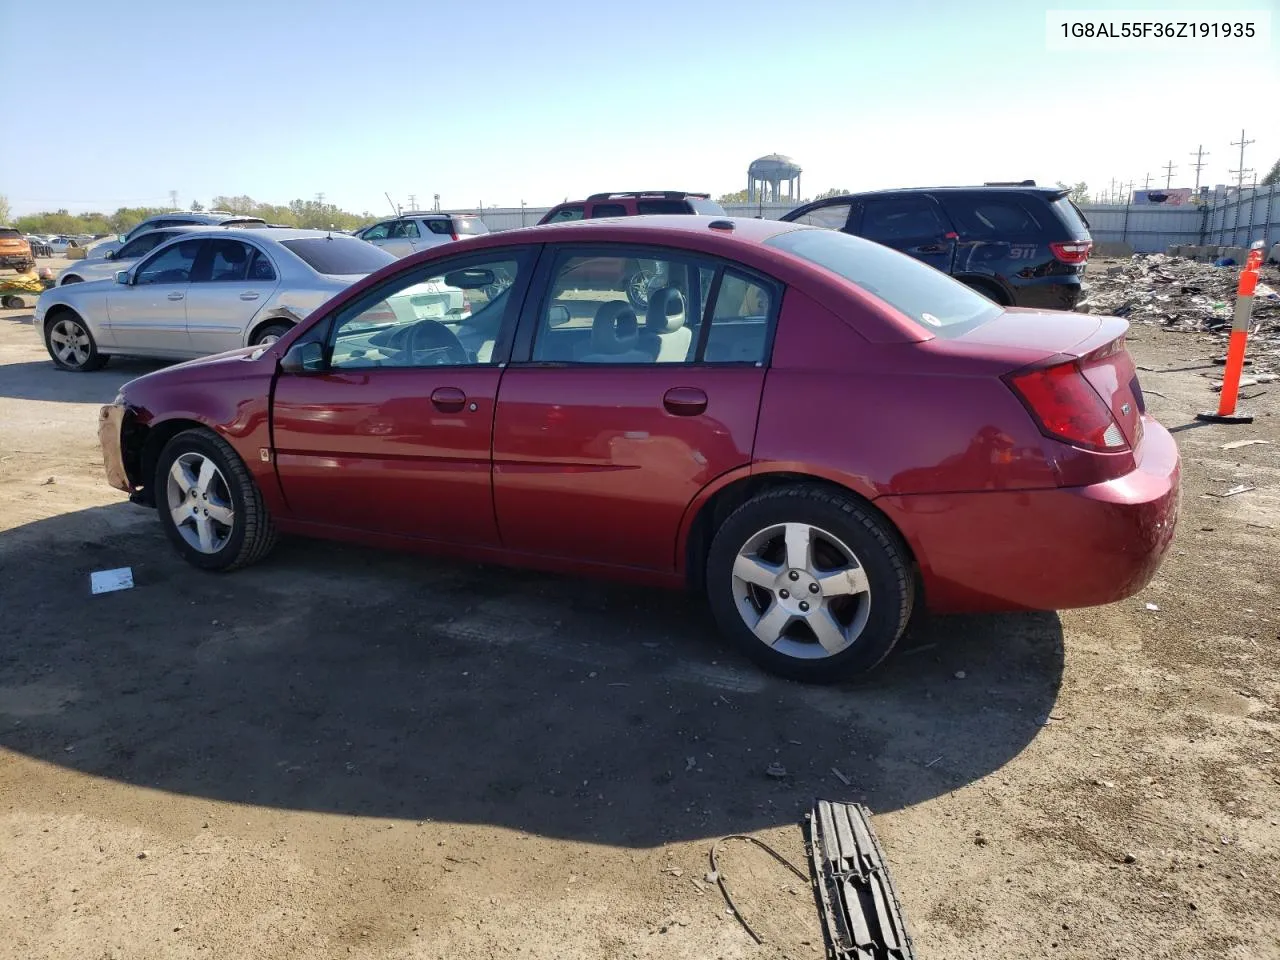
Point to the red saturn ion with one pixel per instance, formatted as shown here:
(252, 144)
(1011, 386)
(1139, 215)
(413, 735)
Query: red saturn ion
(817, 431)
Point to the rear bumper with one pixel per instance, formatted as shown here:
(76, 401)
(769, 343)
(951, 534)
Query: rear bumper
(1049, 293)
(16, 259)
(1045, 549)
(110, 427)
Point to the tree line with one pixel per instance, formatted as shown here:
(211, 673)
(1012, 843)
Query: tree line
(299, 213)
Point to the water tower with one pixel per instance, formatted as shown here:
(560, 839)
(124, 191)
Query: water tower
(766, 176)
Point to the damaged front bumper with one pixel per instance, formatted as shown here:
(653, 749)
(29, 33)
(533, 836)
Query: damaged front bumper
(110, 438)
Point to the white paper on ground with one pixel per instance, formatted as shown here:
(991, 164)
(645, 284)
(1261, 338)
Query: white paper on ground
(105, 581)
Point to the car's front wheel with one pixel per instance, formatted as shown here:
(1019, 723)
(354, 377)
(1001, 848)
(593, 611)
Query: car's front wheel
(810, 583)
(70, 344)
(209, 506)
(71, 279)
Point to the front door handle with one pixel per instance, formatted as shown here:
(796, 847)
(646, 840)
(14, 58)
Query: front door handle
(175, 295)
(448, 399)
(685, 401)
(248, 295)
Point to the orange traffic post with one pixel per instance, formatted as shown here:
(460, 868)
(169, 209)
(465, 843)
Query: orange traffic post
(1226, 412)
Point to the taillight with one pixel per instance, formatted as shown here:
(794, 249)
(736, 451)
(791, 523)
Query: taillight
(1066, 408)
(453, 229)
(1072, 251)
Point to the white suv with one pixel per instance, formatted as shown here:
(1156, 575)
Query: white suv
(415, 230)
(179, 218)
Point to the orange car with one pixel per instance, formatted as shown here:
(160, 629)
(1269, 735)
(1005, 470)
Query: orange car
(15, 251)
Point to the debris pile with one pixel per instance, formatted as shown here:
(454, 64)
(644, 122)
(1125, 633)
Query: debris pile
(1181, 294)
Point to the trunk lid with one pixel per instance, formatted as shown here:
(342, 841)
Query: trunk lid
(1095, 343)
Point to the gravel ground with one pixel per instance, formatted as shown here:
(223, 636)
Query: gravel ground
(349, 753)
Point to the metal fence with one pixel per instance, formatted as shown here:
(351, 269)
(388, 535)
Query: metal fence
(1228, 219)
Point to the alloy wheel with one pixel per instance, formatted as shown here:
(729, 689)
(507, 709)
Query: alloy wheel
(199, 502)
(801, 590)
(70, 342)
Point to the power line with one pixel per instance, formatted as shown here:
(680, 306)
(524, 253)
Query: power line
(1169, 168)
(1241, 143)
(1200, 154)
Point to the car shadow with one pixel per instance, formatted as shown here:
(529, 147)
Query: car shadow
(41, 380)
(344, 680)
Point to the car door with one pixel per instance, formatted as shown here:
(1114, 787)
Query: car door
(401, 236)
(393, 433)
(913, 224)
(150, 312)
(231, 282)
(609, 423)
(378, 234)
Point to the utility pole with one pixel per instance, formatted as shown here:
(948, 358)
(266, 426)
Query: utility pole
(1169, 168)
(1240, 173)
(1146, 183)
(173, 199)
(320, 198)
(1112, 194)
(1199, 164)
(413, 201)
(436, 200)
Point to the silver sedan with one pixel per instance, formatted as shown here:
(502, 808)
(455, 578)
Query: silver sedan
(202, 292)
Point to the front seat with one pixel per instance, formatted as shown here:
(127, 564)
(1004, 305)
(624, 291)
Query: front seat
(614, 336)
(665, 338)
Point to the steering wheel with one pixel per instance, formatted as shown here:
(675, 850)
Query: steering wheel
(432, 344)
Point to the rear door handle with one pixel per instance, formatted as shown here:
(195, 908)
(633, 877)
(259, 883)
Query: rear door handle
(248, 295)
(448, 399)
(175, 296)
(685, 401)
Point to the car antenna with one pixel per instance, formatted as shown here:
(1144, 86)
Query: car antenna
(330, 236)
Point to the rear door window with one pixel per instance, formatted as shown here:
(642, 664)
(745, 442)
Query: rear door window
(442, 228)
(228, 262)
(608, 210)
(939, 305)
(993, 218)
(404, 230)
(902, 219)
(662, 206)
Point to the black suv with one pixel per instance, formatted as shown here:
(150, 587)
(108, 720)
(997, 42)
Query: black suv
(1022, 246)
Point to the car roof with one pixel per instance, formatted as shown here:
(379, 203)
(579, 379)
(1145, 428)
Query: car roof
(648, 228)
(984, 188)
(428, 215)
(249, 233)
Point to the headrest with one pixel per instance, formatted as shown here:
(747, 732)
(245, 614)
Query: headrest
(614, 328)
(666, 311)
(231, 251)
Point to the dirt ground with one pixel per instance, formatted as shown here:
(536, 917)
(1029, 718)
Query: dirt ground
(343, 753)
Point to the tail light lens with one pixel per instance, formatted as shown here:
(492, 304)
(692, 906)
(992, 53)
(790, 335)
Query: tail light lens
(453, 228)
(1067, 408)
(1073, 251)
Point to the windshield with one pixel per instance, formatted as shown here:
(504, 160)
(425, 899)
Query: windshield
(942, 306)
(339, 255)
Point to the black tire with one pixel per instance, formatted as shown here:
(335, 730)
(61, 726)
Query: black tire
(71, 279)
(274, 330)
(252, 532)
(988, 290)
(879, 550)
(64, 322)
(638, 284)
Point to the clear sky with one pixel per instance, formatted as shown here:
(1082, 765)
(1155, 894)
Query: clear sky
(507, 100)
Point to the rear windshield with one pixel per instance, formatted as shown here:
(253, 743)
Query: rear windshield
(662, 206)
(940, 305)
(339, 255)
(1070, 215)
(7, 232)
(708, 208)
(469, 226)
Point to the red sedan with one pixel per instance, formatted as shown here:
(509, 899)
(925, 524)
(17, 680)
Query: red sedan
(817, 431)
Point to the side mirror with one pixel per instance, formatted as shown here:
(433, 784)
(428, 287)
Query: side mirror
(305, 357)
(122, 277)
(558, 315)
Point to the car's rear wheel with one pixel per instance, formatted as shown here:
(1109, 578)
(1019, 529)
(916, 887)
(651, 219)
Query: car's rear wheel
(638, 286)
(810, 583)
(209, 506)
(270, 333)
(70, 343)
(988, 290)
